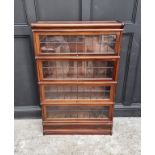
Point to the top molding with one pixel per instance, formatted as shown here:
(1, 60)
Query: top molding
(77, 24)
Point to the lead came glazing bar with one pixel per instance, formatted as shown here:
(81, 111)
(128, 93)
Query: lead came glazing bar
(76, 92)
(77, 112)
(73, 69)
(101, 44)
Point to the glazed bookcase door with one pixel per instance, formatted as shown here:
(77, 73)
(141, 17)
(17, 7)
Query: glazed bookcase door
(76, 93)
(77, 112)
(77, 70)
(77, 44)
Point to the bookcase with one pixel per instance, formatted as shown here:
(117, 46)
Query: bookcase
(77, 68)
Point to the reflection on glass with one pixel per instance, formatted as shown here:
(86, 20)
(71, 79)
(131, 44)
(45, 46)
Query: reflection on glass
(100, 44)
(77, 69)
(77, 111)
(77, 92)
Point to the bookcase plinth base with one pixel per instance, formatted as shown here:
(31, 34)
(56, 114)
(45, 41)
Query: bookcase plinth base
(77, 128)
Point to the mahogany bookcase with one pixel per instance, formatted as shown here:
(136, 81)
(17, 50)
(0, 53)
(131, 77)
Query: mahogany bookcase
(77, 68)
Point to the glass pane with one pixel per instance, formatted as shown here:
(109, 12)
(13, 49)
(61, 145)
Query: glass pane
(77, 69)
(79, 44)
(77, 111)
(76, 92)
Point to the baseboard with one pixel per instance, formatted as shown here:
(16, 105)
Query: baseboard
(21, 112)
(127, 111)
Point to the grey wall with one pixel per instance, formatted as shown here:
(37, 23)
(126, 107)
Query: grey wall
(128, 96)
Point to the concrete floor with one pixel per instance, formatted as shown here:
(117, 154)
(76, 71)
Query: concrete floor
(124, 141)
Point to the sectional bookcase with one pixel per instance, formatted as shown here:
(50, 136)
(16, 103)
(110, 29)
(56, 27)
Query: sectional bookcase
(77, 68)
